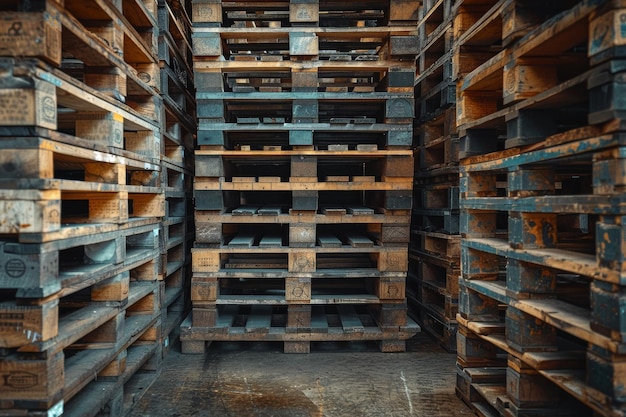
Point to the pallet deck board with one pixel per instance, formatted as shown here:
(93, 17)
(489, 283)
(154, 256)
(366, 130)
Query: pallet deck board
(260, 319)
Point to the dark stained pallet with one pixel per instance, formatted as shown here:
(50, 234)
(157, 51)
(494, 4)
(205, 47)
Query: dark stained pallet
(71, 263)
(560, 370)
(342, 324)
(96, 334)
(564, 94)
(443, 331)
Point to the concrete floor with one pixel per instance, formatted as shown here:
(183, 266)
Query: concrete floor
(243, 379)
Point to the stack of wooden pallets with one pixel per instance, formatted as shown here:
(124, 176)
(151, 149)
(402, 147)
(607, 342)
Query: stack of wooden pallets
(303, 176)
(541, 126)
(82, 196)
(178, 127)
(435, 245)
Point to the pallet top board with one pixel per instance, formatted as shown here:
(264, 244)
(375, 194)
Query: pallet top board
(305, 186)
(249, 249)
(255, 65)
(326, 127)
(327, 273)
(249, 215)
(331, 33)
(287, 154)
(338, 299)
(287, 96)
(564, 94)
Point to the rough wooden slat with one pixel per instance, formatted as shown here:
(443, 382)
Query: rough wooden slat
(245, 211)
(260, 319)
(357, 211)
(270, 211)
(243, 240)
(350, 320)
(328, 241)
(271, 241)
(319, 322)
(357, 241)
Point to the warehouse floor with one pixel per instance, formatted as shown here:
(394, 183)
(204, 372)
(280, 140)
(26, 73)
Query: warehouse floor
(239, 380)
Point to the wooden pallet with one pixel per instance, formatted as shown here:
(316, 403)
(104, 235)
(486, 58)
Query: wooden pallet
(59, 363)
(555, 314)
(268, 288)
(562, 370)
(297, 14)
(304, 229)
(392, 259)
(527, 83)
(96, 117)
(297, 328)
(120, 61)
(94, 254)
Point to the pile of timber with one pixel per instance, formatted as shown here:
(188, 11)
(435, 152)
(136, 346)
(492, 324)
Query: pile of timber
(540, 117)
(434, 267)
(303, 173)
(178, 129)
(87, 305)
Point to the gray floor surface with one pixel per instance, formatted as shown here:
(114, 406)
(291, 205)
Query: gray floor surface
(335, 379)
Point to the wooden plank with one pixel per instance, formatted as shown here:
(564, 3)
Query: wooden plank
(270, 211)
(242, 240)
(319, 321)
(337, 178)
(569, 318)
(226, 316)
(260, 319)
(271, 241)
(359, 241)
(269, 179)
(357, 211)
(328, 241)
(350, 321)
(363, 178)
(245, 211)
(334, 211)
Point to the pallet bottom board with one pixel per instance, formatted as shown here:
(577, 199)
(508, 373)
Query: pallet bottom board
(321, 329)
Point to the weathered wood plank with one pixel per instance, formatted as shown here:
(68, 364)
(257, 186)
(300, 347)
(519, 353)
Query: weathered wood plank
(328, 241)
(350, 321)
(259, 320)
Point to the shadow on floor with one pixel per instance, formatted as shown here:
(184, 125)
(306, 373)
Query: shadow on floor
(335, 379)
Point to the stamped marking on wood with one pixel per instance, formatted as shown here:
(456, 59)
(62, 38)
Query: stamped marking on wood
(15, 268)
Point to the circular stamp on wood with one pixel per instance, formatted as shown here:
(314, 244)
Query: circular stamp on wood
(15, 268)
